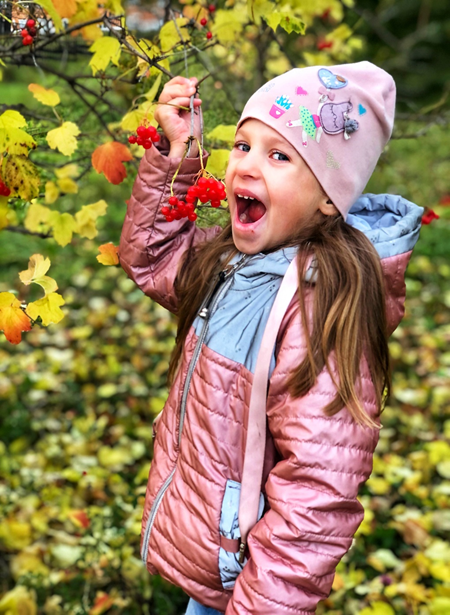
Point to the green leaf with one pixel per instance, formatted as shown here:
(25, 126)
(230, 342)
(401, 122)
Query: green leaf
(223, 132)
(168, 35)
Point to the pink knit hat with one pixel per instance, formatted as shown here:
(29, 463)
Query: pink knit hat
(338, 118)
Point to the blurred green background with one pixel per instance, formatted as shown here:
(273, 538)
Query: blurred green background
(77, 399)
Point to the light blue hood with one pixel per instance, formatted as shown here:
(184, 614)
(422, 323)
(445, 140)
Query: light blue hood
(239, 318)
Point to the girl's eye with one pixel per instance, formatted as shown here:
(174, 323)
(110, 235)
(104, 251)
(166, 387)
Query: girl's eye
(239, 145)
(283, 156)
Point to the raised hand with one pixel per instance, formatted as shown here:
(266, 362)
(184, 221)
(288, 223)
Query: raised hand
(176, 122)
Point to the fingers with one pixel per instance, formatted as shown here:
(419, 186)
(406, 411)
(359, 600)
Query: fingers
(178, 86)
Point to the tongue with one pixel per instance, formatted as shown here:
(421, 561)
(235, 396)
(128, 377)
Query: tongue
(256, 211)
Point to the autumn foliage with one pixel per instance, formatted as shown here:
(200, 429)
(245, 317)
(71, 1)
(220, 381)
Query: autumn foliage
(84, 354)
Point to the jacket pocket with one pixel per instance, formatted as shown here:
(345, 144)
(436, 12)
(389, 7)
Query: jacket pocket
(229, 566)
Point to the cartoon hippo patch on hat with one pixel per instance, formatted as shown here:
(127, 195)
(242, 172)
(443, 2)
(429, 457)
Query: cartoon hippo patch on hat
(334, 118)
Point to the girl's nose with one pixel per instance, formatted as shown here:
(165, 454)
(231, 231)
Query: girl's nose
(248, 165)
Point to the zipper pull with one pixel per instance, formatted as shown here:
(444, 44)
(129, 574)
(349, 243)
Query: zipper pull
(204, 312)
(242, 552)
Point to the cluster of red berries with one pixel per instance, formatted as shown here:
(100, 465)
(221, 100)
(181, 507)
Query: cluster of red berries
(204, 21)
(206, 189)
(146, 136)
(29, 32)
(4, 190)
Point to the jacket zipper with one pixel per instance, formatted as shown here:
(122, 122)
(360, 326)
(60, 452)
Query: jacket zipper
(211, 300)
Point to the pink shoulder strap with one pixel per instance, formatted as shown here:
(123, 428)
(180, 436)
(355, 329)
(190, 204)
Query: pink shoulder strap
(256, 425)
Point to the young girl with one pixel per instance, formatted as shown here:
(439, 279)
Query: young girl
(306, 144)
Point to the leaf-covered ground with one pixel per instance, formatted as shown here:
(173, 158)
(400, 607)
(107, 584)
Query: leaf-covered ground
(76, 405)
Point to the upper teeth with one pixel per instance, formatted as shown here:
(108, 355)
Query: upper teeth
(246, 197)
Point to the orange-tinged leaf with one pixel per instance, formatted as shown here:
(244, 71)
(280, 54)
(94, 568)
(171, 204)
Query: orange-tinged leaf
(65, 8)
(43, 95)
(37, 268)
(108, 159)
(47, 308)
(108, 254)
(12, 318)
(102, 603)
(79, 518)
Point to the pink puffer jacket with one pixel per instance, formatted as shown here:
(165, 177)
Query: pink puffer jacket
(314, 464)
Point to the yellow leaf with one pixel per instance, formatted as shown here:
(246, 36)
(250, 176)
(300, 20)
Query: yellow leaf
(223, 133)
(63, 226)
(228, 25)
(87, 216)
(217, 162)
(37, 268)
(106, 49)
(20, 601)
(378, 608)
(440, 605)
(12, 139)
(12, 322)
(114, 6)
(4, 209)
(132, 120)
(44, 96)
(151, 94)
(36, 215)
(67, 185)
(168, 35)
(68, 170)
(12, 119)
(64, 138)
(28, 562)
(108, 254)
(22, 177)
(51, 192)
(47, 308)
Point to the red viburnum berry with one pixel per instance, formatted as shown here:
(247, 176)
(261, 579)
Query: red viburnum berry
(132, 139)
(142, 132)
(31, 23)
(429, 216)
(147, 144)
(165, 210)
(324, 45)
(173, 200)
(4, 190)
(32, 31)
(139, 140)
(211, 8)
(24, 33)
(209, 35)
(192, 217)
(27, 40)
(203, 21)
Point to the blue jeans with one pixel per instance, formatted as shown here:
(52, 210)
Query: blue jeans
(195, 608)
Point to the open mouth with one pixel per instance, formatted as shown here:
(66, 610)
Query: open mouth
(249, 210)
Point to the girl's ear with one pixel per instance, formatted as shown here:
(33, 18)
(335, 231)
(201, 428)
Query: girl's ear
(327, 207)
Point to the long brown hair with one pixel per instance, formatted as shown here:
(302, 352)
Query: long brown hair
(348, 312)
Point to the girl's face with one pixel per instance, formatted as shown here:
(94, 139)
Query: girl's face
(263, 165)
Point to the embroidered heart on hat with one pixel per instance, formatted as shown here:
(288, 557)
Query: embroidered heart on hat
(300, 91)
(330, 80)
(331, 162)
